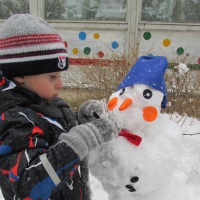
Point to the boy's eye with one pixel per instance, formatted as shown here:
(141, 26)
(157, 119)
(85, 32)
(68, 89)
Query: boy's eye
(53, 75)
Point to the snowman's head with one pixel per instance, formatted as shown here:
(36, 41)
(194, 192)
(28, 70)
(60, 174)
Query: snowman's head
(136, 105)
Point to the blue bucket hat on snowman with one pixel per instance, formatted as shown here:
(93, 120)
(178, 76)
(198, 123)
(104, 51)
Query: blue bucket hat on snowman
(148, 70)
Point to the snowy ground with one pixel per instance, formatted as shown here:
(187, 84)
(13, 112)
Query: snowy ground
(188, 126)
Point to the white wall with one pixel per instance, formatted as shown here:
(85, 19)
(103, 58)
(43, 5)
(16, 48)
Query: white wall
(180, 35)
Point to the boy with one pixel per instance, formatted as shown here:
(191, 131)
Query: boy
(41, 146)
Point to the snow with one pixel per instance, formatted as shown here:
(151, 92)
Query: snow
(182, 69)
(188, 125)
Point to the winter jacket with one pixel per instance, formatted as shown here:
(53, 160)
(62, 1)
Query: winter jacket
(29, 134)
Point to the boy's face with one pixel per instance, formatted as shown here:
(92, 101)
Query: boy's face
(46, 86)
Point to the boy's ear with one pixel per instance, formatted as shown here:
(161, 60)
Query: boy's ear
(19, 79)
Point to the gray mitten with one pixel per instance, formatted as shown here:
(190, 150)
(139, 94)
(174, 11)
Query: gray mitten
(89, 111)
(86, 137)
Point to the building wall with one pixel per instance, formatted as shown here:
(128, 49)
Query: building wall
(180, 43)
(107, 39)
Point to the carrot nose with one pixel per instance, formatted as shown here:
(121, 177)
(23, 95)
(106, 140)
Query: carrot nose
(112, 103)
(127, 102)
(150, 113)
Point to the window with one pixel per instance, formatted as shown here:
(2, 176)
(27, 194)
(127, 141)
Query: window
(10, 7)
(86, 9)
(178, 11)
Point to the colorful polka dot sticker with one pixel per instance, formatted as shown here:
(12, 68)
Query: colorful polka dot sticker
(75, 51)
(147, 35)
(166, 42)
(96, 36)
(115, 45)
(87, 50)
(180, 51)
(82, 35)
(100, 54)
(198, 61)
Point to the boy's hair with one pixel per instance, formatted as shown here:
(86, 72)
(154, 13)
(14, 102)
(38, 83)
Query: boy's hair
(30, 46)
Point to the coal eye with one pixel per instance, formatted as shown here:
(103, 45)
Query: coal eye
(122, 92)
(147, 94)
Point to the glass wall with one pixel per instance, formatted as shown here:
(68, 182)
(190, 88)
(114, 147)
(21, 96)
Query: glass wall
(10, 7)
(178, 11)
(86, 10)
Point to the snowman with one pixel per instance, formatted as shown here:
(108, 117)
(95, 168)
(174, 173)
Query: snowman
(141, 163)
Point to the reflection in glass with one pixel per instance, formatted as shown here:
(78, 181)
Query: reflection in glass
(10, 7)
(85, 9)
(180, 11)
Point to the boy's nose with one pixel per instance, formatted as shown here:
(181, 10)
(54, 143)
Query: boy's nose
(59, 84)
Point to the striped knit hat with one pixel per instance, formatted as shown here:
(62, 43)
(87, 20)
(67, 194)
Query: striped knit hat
(30, 46)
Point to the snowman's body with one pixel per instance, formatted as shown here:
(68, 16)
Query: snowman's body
(142, 171)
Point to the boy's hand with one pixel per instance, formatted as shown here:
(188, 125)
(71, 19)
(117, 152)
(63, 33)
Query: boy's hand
(89, 111)
(86, 137)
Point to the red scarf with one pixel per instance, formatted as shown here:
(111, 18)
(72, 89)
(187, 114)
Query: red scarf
(132, 138)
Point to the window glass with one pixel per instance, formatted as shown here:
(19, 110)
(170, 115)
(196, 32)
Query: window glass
(180, 11)
(10, 7)
(85, 9)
